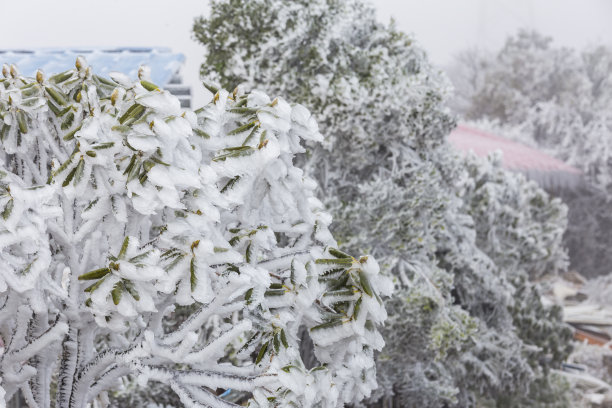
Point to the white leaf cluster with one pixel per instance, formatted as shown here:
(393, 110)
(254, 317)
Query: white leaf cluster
(140, 239)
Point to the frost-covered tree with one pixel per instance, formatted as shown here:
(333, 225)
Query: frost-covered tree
(334, 57)
(557, 99)
(139, 240)
(520, 228)
(518, 224)
(387, 169)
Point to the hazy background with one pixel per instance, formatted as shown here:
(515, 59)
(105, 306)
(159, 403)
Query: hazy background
(443, 27)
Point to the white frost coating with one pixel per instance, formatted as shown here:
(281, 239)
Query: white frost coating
(162, 101)
(176, 246)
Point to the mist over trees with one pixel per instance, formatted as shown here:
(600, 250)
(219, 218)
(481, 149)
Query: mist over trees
(557, 99)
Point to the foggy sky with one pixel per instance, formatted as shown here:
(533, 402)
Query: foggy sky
(443, 27)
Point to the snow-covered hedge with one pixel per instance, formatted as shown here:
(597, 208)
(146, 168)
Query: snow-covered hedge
(138, 238)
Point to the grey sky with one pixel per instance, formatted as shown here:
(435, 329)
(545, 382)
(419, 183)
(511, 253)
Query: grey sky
(443, 27)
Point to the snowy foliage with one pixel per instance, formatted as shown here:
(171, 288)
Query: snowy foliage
(335, 57)
(139, 239)
(557, 99)
(387, 172)
(517, 231)
(518, 225)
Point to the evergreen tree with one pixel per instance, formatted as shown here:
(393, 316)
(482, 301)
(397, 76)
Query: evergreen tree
(520, 228)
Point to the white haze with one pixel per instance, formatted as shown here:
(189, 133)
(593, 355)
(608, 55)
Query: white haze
(443, 27)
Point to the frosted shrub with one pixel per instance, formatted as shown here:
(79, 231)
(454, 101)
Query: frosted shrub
(140, 239)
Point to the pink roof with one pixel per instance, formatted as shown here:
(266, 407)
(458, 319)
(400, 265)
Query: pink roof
(546, 170)
(516, 156)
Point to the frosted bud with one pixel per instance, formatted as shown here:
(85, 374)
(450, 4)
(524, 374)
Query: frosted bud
(144, 73)
(5, 70)
(114, 96)
(80, 63)
(39, 76)
(14, 71)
